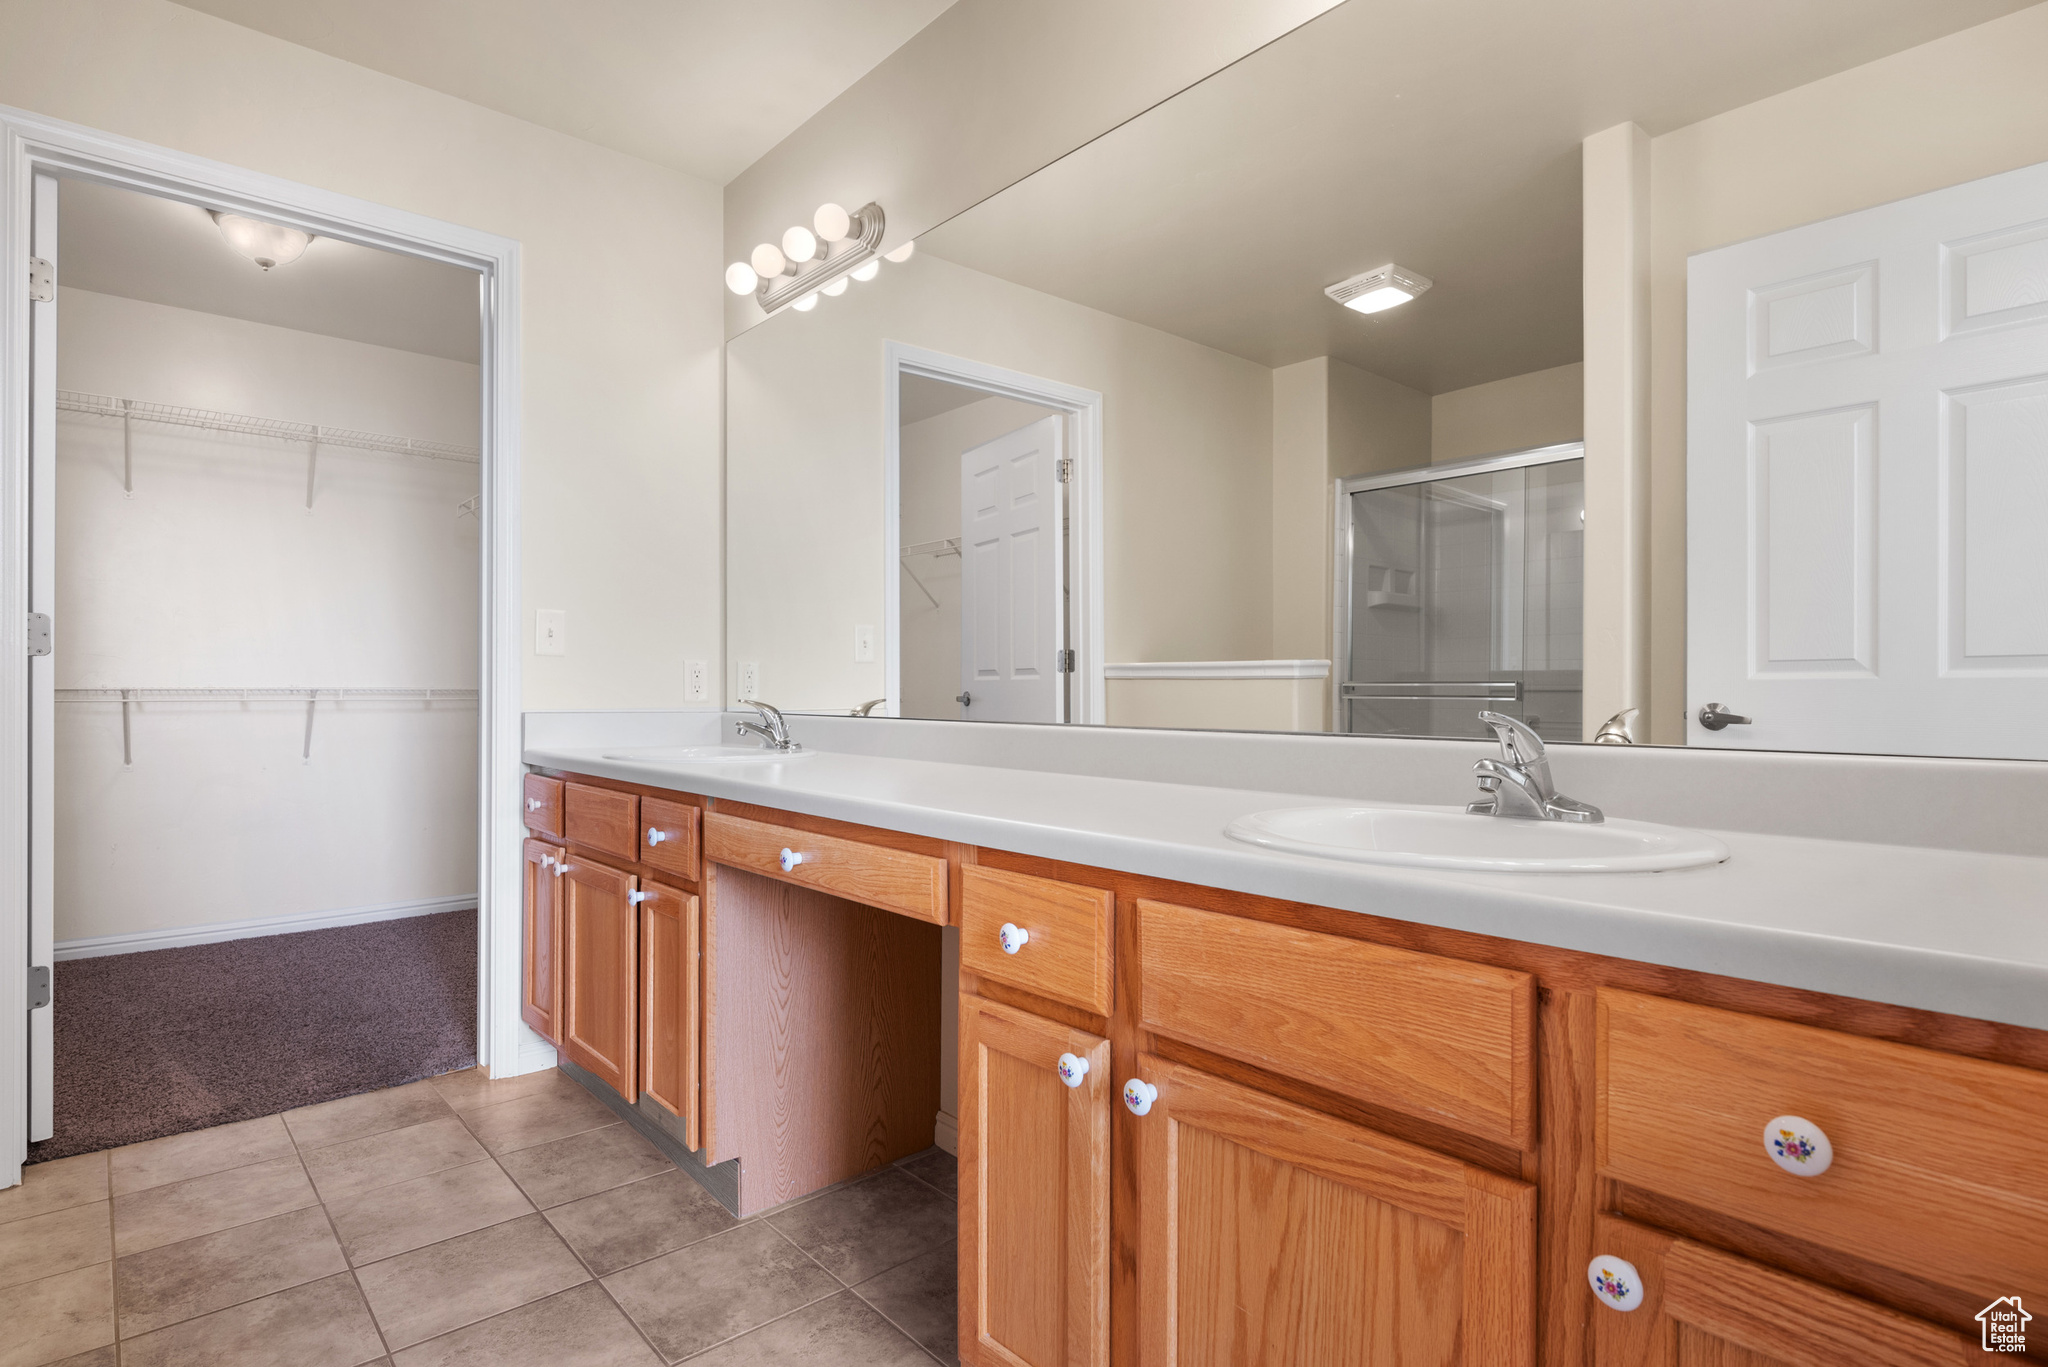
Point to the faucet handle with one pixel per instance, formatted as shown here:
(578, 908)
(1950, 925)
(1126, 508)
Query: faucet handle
(1519, 745)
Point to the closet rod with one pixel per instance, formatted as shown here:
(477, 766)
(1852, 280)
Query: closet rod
(313, 697)
(134, 410)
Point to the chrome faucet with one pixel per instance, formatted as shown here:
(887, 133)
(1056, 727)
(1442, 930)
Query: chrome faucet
(774, 734)
(1519, 781)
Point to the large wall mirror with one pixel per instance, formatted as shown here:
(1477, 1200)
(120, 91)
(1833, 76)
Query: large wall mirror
(1133, 443)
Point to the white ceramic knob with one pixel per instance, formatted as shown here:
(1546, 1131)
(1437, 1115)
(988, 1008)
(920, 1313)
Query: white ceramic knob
(1014, 937)
(533, 804)
(561, 867)
(636, 898)
(1139, 1096)
(1616, 1282)
(1073, 1069)
(547, 861)
(790, 859)
(1798, 1145)
(655, 835)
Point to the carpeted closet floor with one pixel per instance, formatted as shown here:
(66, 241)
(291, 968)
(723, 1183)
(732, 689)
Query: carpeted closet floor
(183, 1039)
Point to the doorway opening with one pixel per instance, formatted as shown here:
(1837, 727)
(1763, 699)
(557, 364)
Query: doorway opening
(993, 533)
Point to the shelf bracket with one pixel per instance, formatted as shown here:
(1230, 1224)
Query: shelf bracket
(127, 750)
(312, 696)
(127, 452)
(312, 464)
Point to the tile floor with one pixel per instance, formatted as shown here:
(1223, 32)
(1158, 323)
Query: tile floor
(461, 1221)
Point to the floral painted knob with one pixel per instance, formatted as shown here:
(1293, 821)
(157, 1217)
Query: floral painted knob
(1014, 937)
(1616, 1282)
(1798, 1145)
(1073, 1069)
(1139, 1096)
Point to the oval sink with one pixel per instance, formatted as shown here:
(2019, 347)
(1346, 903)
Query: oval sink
(704, 754)
(1448, 838)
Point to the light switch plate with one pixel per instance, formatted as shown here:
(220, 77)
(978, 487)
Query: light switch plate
(550, 631)
(750, 679)
(696, 681)
(863, 645)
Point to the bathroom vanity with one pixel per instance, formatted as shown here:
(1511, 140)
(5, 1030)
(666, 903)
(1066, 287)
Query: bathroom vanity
(1280, 1109)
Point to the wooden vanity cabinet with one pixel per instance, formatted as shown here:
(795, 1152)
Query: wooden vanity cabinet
(1269, 1232)
(1702, 1307)
(671, 935)
(1034, 1190)
(540, 986)
(600, 969)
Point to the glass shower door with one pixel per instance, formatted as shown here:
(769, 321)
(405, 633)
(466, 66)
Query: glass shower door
(1465, 585)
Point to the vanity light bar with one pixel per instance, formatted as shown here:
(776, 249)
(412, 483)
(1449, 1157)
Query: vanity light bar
(821, 259)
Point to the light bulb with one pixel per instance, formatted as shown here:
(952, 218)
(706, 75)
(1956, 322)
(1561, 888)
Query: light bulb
(267, 244)
(769, 261)
(833, 223)
(798, 244)
(836, 288)
(1379, 300)
(807, 303)
(903, 253)
(867, 271)
(741, 279)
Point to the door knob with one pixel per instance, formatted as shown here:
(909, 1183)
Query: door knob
(965, 699)
(1616, 1282)
(789, 859)
(1139, 1096)
(1073, 1069)
(655, 835)
(1714, 716)
(1798, 1145)
(1014, 937)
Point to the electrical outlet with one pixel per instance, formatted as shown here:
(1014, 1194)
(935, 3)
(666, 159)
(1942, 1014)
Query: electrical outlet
(863, 645)
(550, 631)
(696, 681)
(750, 680)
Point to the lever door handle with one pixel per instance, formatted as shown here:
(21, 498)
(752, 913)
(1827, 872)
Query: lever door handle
(1714, 716)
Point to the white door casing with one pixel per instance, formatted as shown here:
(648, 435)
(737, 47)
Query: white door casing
(1011, 629)
(42, 676)
(1867, 477)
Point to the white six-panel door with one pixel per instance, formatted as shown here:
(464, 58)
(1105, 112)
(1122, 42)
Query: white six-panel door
(1867, 479)
(1011, 629)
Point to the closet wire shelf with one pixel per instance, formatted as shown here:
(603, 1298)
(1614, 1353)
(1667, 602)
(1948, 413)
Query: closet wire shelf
(127, 697)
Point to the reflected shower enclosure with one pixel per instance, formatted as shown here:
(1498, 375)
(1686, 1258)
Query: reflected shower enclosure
(1460, 589)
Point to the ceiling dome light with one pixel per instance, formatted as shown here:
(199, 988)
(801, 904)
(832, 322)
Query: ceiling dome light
(267, 244)
(798, 244)
(740, 278)
(807, 303)
(902, 253)
(833, 223)
(836, 288)
(867, 271)
(769, 261)
(1379, 289)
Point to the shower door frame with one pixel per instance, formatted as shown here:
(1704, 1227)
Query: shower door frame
(1341, 557)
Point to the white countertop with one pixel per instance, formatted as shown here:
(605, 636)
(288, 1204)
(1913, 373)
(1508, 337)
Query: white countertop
(1945, 930)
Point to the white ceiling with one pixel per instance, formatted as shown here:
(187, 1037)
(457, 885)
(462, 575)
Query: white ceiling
(1442, 137)
(705, 86)
(119, 242)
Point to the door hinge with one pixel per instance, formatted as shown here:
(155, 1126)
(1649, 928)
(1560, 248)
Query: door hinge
(42, 281)
(38, 986)
(1066, 662)
(39, 633)
(1064, 469)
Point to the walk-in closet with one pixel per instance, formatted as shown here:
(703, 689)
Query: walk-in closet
(266, 580)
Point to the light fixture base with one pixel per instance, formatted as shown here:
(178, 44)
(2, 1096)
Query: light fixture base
(1379, 288)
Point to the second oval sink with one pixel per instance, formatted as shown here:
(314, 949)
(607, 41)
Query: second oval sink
(1447, 838)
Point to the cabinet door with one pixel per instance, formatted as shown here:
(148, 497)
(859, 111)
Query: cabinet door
(1269, 1233)
(1034, 1191)
(1701, 1307)
(540, 990)
(671, 932)
(600, 972)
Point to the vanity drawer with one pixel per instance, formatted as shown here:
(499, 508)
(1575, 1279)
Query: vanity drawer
(1939, 1163)
(543, 805)
(668, 835)
(601, 819)
(1066, 954)
(901, 881)
(1438, 1038)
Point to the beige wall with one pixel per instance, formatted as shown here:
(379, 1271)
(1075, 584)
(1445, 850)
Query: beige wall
(1541, 408)
(619, 352)
(1957, 109)
(1187, 432)
(1219, 704)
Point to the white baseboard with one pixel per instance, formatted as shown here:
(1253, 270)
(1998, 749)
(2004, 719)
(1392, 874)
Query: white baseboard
(946, 1132)
(535, 1055)
(177, 936)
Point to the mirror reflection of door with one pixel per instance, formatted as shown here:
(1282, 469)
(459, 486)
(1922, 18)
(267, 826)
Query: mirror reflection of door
(983, 555)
